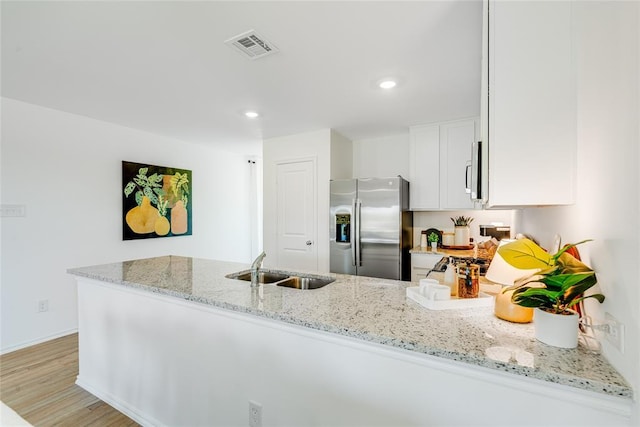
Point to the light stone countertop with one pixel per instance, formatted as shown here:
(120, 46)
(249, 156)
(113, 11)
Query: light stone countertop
(374, 310)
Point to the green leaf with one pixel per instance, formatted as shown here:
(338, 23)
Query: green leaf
(129, 188)
(525, 254)
(140, 181)
(152, 197)
(574, 292)
(567, 247)
(599, 297)
(139, 197)
(569, 264)
(159, 191)
(155, 180)
(562, 282)
(143, 171)
(533, 299)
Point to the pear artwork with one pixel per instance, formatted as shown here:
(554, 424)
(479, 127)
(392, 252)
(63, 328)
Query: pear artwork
(142, 219)
(161, 202)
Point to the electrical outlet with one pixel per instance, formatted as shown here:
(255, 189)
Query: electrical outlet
(255, 414)
(615, 332)
(43, 305)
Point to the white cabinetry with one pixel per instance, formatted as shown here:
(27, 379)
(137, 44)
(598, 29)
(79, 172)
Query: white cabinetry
(529, 104)
(421, 264)
(424, 167)
(456, 139)
(440, 153)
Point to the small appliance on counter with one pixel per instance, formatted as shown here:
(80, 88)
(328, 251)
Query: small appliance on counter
(498, 231)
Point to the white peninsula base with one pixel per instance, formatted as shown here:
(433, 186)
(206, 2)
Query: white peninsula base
(164, 361)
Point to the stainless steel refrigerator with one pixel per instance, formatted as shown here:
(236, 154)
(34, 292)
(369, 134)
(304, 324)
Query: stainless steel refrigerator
(371, 228)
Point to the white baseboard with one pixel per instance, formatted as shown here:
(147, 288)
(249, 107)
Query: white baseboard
(121, 406)
(26, 344)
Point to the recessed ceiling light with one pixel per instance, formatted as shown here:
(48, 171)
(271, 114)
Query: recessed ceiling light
(387, 84)
(251, 114)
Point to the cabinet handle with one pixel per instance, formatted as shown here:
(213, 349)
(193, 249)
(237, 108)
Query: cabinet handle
(309, 243)
(467, 187)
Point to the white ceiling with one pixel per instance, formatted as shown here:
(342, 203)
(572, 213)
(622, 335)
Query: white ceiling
(163, 67)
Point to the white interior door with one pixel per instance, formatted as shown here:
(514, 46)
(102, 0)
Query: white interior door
(297, 215)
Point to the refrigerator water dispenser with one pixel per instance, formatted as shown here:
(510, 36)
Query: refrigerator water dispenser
(343, 228)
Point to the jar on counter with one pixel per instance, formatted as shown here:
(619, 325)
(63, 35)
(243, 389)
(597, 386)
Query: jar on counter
(423, 239)
(468, 280)
(447, 238)
(450, 277)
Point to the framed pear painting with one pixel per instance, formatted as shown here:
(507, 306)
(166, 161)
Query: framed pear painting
(156, 201)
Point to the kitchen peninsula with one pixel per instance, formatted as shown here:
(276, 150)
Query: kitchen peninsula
(172, 341)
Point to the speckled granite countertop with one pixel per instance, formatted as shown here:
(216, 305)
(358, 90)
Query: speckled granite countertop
(374, 310)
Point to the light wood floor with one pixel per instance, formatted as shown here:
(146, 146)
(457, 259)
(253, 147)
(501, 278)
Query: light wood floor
(39, 384)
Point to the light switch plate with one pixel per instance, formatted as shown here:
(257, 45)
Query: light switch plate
(7, 211)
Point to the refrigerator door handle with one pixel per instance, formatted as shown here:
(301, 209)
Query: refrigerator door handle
(354, 240)
(357, 239)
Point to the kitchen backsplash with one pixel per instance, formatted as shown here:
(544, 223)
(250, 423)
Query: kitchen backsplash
(442, 221)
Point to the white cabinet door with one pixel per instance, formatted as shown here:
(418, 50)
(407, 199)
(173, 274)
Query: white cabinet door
(531, 112)
(424, 181)
(456, 139)
(421, 265)
(440, 153)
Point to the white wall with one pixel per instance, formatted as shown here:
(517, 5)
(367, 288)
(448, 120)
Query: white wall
(608, 203)
(381, 157)
(441, 220)
(341, 156)
(66, 169)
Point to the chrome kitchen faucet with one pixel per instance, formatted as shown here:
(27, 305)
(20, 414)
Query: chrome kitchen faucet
(255, 267)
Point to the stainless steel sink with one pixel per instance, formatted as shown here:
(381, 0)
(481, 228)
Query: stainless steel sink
(280, 278)
(263, 276)
(304, 282)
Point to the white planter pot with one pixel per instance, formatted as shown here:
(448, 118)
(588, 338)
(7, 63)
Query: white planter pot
(461, 236)
(434, 246)
(558, 330)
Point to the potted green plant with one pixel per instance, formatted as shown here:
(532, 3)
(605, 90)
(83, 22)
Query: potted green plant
(461, 230)
(433, 240)
(553, 291)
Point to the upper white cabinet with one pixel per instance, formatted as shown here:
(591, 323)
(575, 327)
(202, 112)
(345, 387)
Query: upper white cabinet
(424, 167)
(456, 139)
(439, 156)
(528, 112)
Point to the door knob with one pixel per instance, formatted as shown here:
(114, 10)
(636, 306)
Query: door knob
(309, 242)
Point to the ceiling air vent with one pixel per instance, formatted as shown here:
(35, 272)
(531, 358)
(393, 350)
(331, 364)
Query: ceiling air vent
(252, 45)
